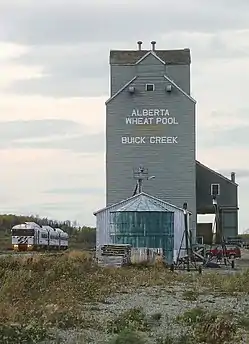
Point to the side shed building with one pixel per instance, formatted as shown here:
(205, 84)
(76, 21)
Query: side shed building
(227, 198)
(143, 221)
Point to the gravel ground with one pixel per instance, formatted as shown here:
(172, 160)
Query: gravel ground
(169, 302)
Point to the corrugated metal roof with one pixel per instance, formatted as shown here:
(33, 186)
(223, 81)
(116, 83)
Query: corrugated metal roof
(125, 201)
(142, 203)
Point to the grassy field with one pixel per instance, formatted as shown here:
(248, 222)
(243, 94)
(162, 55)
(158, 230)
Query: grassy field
(68, 299)
(5, 240)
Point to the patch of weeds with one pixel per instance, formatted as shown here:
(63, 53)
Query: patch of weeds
(209, 328)
(183, 339)
(95, 308)
(132, 319)
(156, 316)
(19, 334)
(190, 295)
(225, 284)
(191, 316)
(68, 318)
(128, 337)
(142, 265)
(243, 322)
(154, 319)
(216, 329)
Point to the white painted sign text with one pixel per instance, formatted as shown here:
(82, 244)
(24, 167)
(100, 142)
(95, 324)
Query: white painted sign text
(150, 117)
(149, 139)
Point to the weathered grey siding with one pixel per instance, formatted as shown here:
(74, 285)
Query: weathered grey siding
(229, 223)
(180, 74)
(172, 164)
(228, 190)
(120, 75)
(150, 66)
(228, 199)
(205, 230)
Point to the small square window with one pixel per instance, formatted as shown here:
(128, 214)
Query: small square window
(150, 87)
(215, 189)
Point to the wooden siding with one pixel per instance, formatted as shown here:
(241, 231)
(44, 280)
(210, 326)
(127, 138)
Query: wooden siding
(173, 165)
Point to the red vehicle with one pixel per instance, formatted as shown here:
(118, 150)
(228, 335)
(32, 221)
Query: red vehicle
(231, 251)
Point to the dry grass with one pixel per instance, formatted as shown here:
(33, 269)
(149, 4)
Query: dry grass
(211, 328)
(51, 291)
(228, 284)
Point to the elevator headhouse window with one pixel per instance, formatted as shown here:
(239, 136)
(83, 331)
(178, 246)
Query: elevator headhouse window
(215, 189)
(150, 87)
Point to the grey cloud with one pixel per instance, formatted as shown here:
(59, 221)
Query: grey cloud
(219, 137)
(53, 206)
(240, 114)
(70, 40)
(207, 46)
(69, 61)
(216, 48)
(74, 23)
(76, 190)
(57, 86)
(84, 70)
(84, 143)
(16, 130)
(50, 134)
(240, 173)
(65, 210)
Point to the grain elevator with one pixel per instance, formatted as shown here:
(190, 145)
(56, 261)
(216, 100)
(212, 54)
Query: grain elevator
(151, 122)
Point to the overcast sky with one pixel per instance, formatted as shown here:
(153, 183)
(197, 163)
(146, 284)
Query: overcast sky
(54, 82)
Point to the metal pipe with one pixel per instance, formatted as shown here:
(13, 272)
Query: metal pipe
(153, 44)
(186, 233)
(139, 43)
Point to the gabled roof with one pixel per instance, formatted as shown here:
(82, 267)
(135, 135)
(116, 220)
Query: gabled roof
(216, 173)
(179, 89)
(142, 203)
(170, 57)
(165, 76)
(150, 53)
(120, 90)
(144, 196)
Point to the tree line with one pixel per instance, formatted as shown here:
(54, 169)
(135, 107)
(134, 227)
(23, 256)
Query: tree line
(82, 235)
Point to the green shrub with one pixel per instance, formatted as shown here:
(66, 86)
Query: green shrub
(191, 316)
(21, 334)
(128, 337)
(133, 319)
(209, 328)
(182, 339)
(216, 329)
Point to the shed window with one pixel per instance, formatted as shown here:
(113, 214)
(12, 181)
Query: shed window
(150, 87)
(215, 189)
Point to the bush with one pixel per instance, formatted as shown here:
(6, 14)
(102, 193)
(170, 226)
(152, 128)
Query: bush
(216, 329)
(133, 319)
(128, 337)
(209, 328)
(20, 334)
